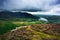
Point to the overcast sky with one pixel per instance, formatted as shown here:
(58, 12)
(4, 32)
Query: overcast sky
(50, 6)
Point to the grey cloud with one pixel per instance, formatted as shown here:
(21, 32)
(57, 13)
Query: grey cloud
(28, 4)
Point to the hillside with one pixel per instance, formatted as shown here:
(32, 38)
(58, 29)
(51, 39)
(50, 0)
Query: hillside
(51, 18)
(34, 32)
(12, 15)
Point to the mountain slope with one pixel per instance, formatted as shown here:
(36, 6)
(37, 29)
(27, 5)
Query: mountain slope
(51, 18)
(34, 32)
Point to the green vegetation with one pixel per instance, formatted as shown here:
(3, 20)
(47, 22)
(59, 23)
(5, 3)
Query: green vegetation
(8, 25)
(20, 19)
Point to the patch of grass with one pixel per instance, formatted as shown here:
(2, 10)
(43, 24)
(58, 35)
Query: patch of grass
(6, 26)
(26, 23)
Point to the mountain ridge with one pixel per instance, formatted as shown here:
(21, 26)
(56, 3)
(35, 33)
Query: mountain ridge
(9, 14)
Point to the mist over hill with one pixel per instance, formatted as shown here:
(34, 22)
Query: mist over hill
(50, 18)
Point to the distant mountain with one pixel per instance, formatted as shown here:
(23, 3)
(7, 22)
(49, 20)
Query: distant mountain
(9, 14)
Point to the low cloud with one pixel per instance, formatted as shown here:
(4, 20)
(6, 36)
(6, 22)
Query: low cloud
(54, 11)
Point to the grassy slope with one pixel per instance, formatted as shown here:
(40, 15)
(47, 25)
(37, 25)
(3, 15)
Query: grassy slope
(28, 33)
(6, 26)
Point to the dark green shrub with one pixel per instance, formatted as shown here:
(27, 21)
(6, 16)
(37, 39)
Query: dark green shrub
(6, 27)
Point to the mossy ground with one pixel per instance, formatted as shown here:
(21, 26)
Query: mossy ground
(30, 33)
